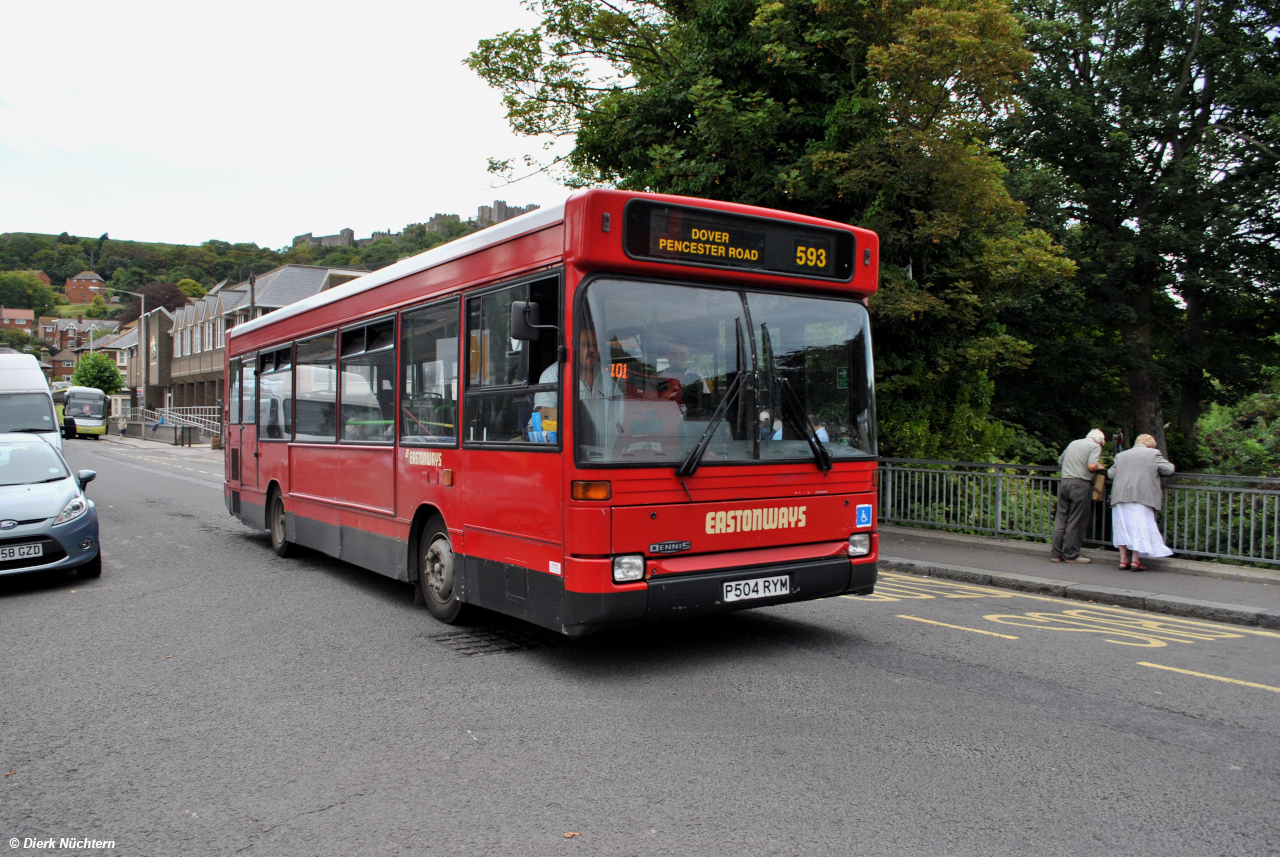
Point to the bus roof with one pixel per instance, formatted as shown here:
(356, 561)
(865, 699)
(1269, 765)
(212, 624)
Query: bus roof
(525, 224)
(517, 226)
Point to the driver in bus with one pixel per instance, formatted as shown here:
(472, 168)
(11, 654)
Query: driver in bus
(592, 385)
(692, 384)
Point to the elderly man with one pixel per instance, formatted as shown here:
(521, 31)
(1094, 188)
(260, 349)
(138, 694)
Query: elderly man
(1078, 462)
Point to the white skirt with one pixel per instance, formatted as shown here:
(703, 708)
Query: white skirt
(1134, 526)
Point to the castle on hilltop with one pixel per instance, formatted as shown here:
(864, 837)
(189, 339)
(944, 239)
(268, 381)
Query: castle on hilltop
(486, 215)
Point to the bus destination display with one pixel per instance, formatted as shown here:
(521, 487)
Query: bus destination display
(669, 233)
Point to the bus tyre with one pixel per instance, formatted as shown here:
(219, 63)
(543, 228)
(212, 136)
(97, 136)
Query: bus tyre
(91, 569)
(275, 525)
(436, 586)
(69, 429)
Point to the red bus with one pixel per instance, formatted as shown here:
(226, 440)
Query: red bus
(717, 450)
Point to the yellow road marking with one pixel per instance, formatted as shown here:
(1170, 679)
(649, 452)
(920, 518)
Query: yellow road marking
(921, 588)
(1138, 629)
(1214, 677)
(957, 627)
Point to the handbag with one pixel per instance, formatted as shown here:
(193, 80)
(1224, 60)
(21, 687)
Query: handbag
(1099, 485)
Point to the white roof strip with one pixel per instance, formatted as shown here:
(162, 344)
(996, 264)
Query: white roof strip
(505, 231)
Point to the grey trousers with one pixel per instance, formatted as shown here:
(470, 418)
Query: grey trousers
(1072, 518)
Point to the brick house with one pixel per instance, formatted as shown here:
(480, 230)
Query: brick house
(19, 319)
(84, 287)
(199, 329)
(63, 333)
(64, 365)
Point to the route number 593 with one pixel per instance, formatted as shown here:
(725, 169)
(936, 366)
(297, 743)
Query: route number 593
(811, 257)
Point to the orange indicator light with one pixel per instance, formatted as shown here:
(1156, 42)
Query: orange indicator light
(591, 490)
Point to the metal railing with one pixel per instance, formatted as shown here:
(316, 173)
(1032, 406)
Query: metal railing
(1235, 518)
(207, 419)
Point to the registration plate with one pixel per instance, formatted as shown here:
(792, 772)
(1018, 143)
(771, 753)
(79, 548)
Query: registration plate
(761, 587)
(21, 551)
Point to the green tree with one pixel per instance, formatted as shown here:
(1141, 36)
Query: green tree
(191, 288)
(875, 114)
(98, 308)
(97, 369)
(166, 295)
(20, 340)
(1155, 124)
(21, 290)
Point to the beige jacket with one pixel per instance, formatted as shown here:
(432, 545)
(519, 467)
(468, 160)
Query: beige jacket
(1136, 476)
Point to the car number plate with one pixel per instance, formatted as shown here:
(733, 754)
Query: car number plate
(761, 587)
(21, 551)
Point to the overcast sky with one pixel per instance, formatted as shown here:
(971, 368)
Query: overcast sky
(250, 121)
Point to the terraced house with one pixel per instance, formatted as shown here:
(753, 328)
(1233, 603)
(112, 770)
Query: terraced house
(199, 328)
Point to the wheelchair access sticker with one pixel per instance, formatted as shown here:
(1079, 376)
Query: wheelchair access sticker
(864, 515)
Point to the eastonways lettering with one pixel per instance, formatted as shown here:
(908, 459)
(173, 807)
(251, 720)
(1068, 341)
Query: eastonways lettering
(748, 520)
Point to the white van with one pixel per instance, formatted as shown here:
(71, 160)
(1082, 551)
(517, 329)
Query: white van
(25, 402)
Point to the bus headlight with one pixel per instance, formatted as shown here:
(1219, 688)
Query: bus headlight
(859, 544)
(628, 569)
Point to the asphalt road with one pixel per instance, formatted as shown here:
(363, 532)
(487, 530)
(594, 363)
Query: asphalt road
(207, 697)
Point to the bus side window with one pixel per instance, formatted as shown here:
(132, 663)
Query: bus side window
(429, 374)
(247, 387)
(275, 394)
(233, 396)
(316, 389)
(508, 378)
(368, 374)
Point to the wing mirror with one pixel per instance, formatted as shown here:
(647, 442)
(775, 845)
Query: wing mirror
(85, 477)
(524, 320)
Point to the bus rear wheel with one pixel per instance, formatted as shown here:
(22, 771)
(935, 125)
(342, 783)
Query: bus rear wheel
(437, 581)
(275, 525)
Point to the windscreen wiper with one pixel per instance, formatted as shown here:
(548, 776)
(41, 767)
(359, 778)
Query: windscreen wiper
(694, 458)
(31, 430)
(792, 414)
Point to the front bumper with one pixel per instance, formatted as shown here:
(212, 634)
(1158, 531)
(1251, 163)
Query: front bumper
(61, 545)
(683, 596)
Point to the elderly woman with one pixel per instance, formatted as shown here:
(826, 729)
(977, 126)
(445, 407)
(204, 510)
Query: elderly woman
(1135, 497)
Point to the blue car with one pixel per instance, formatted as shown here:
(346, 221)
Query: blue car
(46, 521)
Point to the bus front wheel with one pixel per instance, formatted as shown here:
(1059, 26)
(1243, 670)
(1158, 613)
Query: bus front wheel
(437, 583)
(275, 525)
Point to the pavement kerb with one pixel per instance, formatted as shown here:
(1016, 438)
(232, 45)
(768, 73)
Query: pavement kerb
(1152, 602)
(1178, 565)
(144, 443)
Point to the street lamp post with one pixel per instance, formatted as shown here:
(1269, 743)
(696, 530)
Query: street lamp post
(143, 350)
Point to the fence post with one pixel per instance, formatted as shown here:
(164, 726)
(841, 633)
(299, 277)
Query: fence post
(886, 489)
(999, 500)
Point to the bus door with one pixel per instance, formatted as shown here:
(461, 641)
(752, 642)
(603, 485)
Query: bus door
(241, 440)
(512, 503)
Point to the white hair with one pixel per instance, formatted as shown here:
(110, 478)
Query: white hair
(1097, 436)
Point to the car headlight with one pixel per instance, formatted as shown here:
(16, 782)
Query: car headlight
(628, 569)
(859, 544)
(74, 509)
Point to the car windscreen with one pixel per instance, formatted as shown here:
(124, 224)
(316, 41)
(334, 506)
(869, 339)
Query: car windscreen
(27, 463)
(26, 412)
